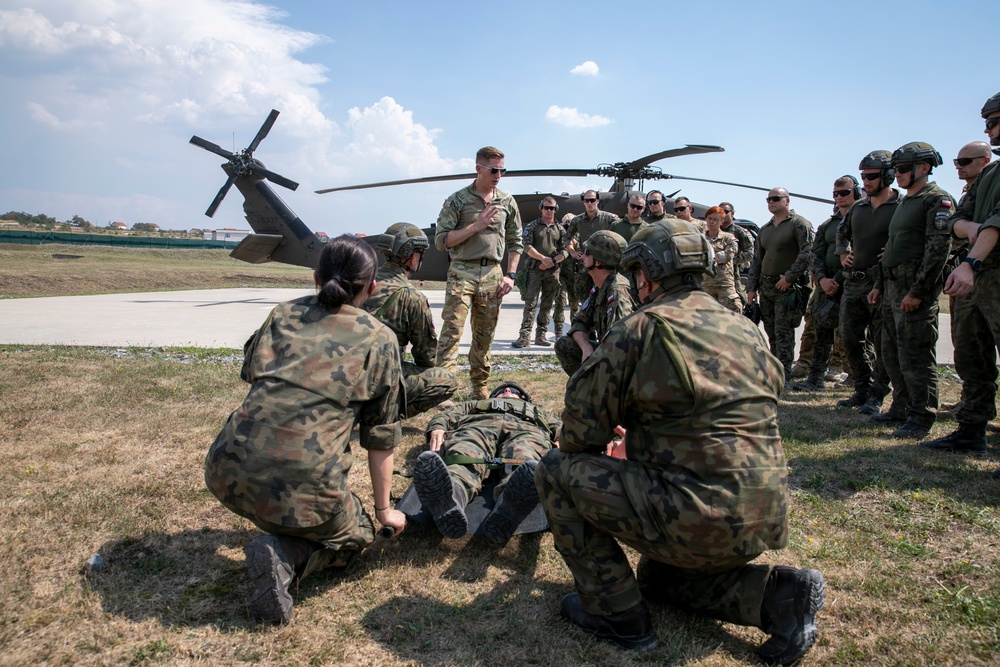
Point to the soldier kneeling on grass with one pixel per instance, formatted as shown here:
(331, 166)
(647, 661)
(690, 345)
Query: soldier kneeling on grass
(462, 440)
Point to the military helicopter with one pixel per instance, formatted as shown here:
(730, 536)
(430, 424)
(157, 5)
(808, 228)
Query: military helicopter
(281, 236)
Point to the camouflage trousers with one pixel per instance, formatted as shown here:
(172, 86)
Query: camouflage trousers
(583, 283)
(471, 289)
(567, 293)
(338, 540)
(909, 347)
(831, 348)
(726, 295)
(512, 438)
(780, 322)
(426, 387)
(741, 289)
(975, 322)
(861, 333)
(569, 354)
(546, 284)
(589, 511)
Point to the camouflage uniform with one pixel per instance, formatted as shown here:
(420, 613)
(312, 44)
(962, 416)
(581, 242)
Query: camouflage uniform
(825, 264)
(781, 250)
(743, 258)
(473, 277)
(865, 232)
(580, 229)
(978, 337)
(404, 309)
(913, 263)
(283, 456)
(550, 241)
(602, 308)
(704, 489)
(625, 228)
(493, 427)
(722, 286)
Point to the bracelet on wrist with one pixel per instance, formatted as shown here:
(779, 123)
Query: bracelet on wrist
(380, 509)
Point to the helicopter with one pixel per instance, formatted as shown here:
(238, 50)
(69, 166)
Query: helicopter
(281, 236)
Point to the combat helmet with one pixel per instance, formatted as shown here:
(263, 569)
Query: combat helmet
(402, 240)
(917, 151)
(518, 389)
(669, 247)
(606, 247)
(992, 106)
(881, 160)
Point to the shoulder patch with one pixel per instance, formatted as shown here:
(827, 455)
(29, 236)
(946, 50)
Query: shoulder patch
(941, 220)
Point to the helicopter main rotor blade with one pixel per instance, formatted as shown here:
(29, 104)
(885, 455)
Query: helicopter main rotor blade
(262, 132)
(277, 179)
(222, 193)
(426, 179)
(214, 148)
(740, 185)
(689, 149)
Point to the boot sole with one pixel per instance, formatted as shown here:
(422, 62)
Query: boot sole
(640, 644)
(269, 601)
(506, 516)
(436, 493)
(811, 605)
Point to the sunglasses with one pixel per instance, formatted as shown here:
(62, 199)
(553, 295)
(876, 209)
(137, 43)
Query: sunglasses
(966, 161)
(728, 211)
(681, 208)
(654, 201)
(637, 207)
(550, 208)
(992, 122)
(493, 170)
(871, 177)
(841, 193)
(904, 168)
(590, 200)
(771, 200)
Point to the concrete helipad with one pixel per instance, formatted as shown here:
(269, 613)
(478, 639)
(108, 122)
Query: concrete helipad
(214, 318)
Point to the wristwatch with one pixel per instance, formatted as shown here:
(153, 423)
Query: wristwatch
(976, 264)
(513, 274)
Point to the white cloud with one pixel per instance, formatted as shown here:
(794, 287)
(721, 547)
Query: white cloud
(571, 117)
(587, 68)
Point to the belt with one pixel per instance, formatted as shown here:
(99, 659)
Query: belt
(487, 262)
(896, 272)
(773, 279)
(851, 274)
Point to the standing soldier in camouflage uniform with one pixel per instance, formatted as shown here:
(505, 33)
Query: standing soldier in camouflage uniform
(507, 425)
(745, 255)
(567, 275)
(721, 286)
(685, 211)
(828, 279)
(656, 207)
(404, 309)
(632, 222)
(476, 225)
(609, 300)
(545, 247)
(703, 491)
(581, 228)
(317, 366)
(976, 281)
(912, 279)
(860, 241)
(780, 261)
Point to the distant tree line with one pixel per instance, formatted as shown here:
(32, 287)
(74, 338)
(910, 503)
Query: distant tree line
(42, 221)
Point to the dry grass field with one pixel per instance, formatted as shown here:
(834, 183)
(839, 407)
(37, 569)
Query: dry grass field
(102, 452)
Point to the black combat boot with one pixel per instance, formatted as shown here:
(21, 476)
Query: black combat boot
(812, 383)
(444, 499)
(893, 415)
(969, 438)
(631, 630)
(872, 406)
(911, 430)
(792, 598)
(273, 561)
(856, 400)
(518, 499)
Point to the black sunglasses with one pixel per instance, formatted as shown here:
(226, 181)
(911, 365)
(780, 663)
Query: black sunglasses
(654, 201)
(774, 199)
(966, 161)
(841, 193)
(992, 122)
(904, 168)
(637, 207)
(493, 170)
(871, 177)
(681, 208)
(550, 208)
(590, 200)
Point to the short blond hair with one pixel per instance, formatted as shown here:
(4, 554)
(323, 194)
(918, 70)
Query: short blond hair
(488, 153)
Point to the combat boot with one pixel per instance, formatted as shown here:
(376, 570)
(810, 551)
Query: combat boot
(792, 598)
(855, 400)
(872, 406)
(631, 630)
(893, 415)
(540, 338)
(559, 330)
(518, 499)
(812, 383)
(799, 370)
(443, 498)
(968, 438)
(521, 342)
(273, 561)
(911, 430)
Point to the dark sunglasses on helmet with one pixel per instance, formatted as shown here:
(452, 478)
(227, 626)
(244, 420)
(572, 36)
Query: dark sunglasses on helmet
(904, 168)
(992, 122)
(871, 177)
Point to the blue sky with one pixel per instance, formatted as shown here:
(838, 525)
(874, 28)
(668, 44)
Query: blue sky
(101, 98)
